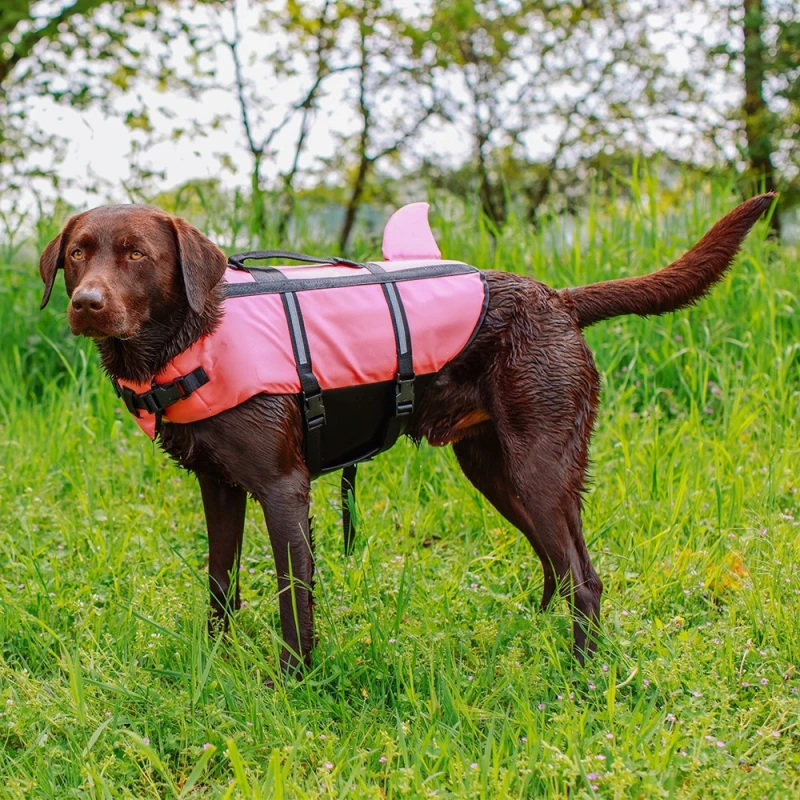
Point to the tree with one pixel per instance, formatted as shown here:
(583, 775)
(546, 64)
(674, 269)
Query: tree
(311, 32)
(741, 89)
(758, 119)
(272, 85)
(349, 61)
(81, 54)
(541, 87)
(392, 96)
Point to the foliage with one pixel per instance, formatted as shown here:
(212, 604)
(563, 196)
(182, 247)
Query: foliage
(541, 88)
(740, 94)
(520, 101)
(435, 676)
(77, 53)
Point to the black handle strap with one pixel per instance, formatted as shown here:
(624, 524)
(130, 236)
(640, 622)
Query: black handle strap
(248, 289)
(237, 260)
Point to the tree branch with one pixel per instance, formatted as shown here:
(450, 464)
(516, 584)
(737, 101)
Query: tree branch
(30, 39)
(233, 45)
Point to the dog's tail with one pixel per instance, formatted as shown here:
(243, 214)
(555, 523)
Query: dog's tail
(680, 284)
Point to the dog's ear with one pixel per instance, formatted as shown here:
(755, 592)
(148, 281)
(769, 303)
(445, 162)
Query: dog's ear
(202, 263)
(52, 260)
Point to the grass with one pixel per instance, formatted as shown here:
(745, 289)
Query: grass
(434, 675)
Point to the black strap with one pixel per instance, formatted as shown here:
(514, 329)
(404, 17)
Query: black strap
(311, 394)
(339, 282)
(161, 395)
(237, 260)
(349, 474)
(402, 336)
(405, 378)
(265, 274)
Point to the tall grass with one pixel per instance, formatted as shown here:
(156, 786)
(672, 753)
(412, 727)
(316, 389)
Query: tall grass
(434, 675)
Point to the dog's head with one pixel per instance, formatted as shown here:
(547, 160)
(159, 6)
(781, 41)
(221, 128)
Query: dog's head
(127, 267)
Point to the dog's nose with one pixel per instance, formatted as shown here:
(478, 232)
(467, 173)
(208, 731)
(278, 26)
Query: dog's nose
(89, 298)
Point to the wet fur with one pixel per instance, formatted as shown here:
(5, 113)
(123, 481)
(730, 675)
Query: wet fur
(518, 406)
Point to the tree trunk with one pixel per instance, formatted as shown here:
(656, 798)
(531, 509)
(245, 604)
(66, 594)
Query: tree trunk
(363, 145)
(287, 197)
(354, 202)
(258, 216)
(492, 197)
(757, 116)
(285, 211)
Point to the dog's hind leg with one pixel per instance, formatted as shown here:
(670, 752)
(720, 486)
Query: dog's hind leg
(558, 529)
(540, 497)
(481, 460)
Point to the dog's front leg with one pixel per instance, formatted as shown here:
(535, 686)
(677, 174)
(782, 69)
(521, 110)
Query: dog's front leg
(224, 506)
(286, 504)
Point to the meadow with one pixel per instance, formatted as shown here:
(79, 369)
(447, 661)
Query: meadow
(435, 675)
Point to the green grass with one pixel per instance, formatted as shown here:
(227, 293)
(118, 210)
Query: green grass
(434, 675)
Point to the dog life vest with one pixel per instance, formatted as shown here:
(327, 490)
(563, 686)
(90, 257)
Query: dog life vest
(356, 342)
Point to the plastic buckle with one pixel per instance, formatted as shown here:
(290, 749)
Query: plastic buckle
(161, 396)
(314, 411)
(127, 395)
(152, 402)
(404, 397)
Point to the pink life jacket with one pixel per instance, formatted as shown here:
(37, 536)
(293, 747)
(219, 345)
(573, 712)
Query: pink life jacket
(310, 331)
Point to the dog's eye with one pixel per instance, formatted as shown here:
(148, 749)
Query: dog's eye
(77, 254)
(136, 255)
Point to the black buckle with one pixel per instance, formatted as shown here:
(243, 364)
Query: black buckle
(161, 397)
(127, 395)
(180, 385)
(314, 411)
(404, 397)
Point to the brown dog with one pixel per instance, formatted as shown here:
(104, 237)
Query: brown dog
(518, 404)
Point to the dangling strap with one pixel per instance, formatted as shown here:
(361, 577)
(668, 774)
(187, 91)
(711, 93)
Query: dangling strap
(348, 499)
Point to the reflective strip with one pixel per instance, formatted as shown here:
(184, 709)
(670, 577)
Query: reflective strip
(297, 330)
(402, 333)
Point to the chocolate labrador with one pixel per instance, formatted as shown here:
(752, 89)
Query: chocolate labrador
(518, 404)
